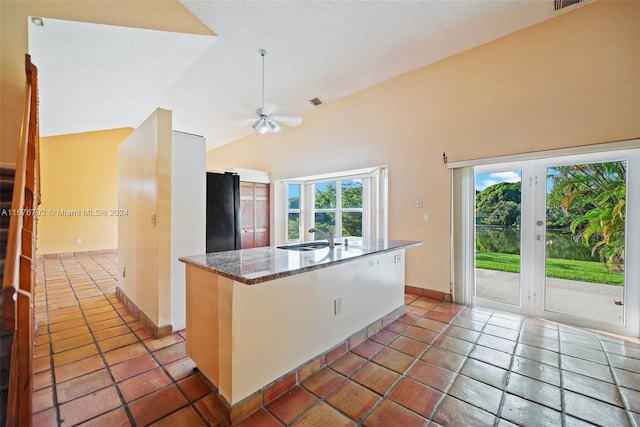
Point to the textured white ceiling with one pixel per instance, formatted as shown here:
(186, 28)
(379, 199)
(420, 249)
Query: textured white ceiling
(94, 77)
(99, 77)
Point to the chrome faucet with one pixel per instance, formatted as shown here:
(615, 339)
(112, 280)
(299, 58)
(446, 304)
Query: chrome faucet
(329, 236)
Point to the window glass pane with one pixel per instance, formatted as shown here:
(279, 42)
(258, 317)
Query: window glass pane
(293, 225)
(325, 195)
(352, 224)
(323, 221)
(294, 196)
(352, 193)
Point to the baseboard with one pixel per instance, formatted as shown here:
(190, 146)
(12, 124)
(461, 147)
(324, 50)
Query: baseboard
(155, 330)
(72, 254)
(437, 295)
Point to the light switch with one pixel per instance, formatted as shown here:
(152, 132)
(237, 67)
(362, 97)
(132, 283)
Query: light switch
(425, 217)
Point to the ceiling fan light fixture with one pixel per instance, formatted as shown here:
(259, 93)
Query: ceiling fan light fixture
(264, 120)
(264, 125)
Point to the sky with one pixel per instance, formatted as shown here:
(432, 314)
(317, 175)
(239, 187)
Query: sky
(484, 180)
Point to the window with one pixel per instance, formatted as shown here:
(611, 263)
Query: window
(354, 203)
(338, 204)
(293, 212)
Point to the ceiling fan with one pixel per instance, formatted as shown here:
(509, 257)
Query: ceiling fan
(265, 121)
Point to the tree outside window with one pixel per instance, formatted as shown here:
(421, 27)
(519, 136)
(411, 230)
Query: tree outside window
(338, 204)
(293, 212)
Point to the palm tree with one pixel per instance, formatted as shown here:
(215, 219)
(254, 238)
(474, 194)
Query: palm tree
(601, 188)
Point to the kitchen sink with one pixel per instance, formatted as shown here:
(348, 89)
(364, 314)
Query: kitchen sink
(308, 246)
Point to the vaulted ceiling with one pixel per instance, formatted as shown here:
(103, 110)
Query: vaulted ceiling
(97, 77)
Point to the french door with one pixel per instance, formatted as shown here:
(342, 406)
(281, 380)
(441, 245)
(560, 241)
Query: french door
(556, 238)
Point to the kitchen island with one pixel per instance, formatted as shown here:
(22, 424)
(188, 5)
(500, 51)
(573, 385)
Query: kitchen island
(255, 316)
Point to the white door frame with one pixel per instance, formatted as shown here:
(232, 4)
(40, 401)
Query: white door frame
(532, 278)
(631, 322)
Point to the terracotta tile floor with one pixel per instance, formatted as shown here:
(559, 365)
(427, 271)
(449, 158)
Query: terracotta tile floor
(440, 364)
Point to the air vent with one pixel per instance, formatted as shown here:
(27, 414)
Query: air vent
(316, 101)
(561, 4)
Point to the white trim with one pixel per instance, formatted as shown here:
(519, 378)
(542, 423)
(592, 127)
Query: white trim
(375, 223)
(382, 193)
(338, 210)
(251, 175)
(561, 152)
(533, 278)
(356, 173)
(299, 210)
(462, 235)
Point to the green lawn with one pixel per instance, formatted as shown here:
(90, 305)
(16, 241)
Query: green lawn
(583, 271)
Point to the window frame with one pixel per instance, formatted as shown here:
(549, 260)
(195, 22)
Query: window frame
(374, 203)
(299, 211)
(339, 210)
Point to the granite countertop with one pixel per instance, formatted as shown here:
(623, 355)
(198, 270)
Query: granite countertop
(252, 266)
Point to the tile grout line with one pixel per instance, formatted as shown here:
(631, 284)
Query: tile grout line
(415, 362)
(456, 373)
(459, 372)
(99, 349)
(190, 402)
(348, 378)
(508, 376)
(54, 388)
(563, 402)
(627, 409)
(385, 397)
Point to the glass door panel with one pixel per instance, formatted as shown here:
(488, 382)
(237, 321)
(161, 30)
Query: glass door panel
(498, 214)
(585, 240)
(552, 237)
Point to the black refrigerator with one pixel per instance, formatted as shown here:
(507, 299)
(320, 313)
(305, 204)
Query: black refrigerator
(223, 212)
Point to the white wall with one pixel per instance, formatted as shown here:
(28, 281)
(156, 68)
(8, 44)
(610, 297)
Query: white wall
(161, 182)
(137, 235)
(188, 214)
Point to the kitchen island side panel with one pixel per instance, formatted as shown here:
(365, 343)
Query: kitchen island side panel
(202, 317)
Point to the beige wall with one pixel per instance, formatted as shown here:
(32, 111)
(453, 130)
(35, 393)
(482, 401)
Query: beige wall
(168, 15)
(161, 185)
(570, 81)
(144, 230)
(79, 173)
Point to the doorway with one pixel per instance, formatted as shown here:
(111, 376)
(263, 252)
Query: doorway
(551, 237)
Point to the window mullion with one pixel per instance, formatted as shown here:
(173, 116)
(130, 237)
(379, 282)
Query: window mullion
(338, 215)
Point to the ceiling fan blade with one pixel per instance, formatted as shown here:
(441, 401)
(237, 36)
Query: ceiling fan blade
(288, 120)
(245, 122)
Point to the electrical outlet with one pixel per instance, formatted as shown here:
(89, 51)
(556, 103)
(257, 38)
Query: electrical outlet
(418, 203)
(396, 259)
(337, 306)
